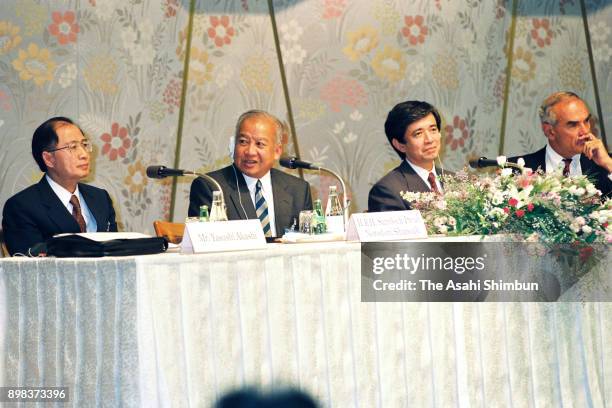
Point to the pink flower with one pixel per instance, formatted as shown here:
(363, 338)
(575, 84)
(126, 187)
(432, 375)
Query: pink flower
(506, 210)
(64, 27)
(333, 9)
(414, 30)
(221, 31)
(341, 91)
(519, 213)
(541, 32)
(455, 140)
(530, 207)
(513, 202)
(116, 143)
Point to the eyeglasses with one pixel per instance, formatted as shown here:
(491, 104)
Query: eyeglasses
(72, 146)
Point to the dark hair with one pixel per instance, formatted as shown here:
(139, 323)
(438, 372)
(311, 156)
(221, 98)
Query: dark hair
(251, 398)
(403, 115)
(45, 138)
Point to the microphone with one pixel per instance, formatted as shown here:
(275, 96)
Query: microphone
(482, 162)
(295, 163)
(160, 172)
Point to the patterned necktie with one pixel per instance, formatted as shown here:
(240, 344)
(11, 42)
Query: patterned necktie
(76, 213)
(566, 168)
(261, 208)
(432, 182)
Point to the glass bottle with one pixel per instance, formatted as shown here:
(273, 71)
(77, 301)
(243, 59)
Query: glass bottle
(204, 213)
(317, 224)
(217, 208)
(333, 203)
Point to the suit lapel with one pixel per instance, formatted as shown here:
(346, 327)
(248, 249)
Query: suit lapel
(241, 196)
(283, 201)
(413, 181)
(58, 214)
(94, 207)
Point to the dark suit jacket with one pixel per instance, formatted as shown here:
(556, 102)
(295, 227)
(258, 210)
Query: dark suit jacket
(385, 194)
(291, 195)
(597, 174)
(36, 214)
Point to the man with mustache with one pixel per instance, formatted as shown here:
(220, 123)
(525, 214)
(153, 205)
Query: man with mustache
(571, 148)
(58, 203)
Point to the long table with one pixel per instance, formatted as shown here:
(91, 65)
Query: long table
(181, 330)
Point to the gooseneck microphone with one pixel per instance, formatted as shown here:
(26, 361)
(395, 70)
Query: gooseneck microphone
(295, 163)
(483, 162)
(160, 172)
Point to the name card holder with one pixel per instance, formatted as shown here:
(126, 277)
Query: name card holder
(386, 226)
(238, 235)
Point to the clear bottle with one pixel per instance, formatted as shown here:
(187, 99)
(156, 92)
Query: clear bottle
(204, 217)
(217, 208)
(318, 225)
(334, 207)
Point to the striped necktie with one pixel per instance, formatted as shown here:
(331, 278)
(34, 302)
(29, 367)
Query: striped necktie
(432, 183)
(261, 208)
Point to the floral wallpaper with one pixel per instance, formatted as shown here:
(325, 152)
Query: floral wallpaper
(117, 68)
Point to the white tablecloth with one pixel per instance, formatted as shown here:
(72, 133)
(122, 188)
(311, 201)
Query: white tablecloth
(178, 330)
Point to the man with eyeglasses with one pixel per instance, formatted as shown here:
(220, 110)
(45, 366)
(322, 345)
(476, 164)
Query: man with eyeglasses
(413, 130)
(58, 203)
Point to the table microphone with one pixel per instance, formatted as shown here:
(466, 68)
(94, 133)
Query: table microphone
(160, 172)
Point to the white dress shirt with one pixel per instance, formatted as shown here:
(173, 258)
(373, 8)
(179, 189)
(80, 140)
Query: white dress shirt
(64, 196)
(424, 174)
(554, 161)
(266, 186)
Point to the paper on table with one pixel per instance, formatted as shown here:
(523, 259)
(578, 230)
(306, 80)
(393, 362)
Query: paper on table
(297, 237)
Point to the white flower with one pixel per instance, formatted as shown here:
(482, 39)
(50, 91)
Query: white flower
(452, 221)
(224, 74)
(356, 115)
(586, 229)
(146, 29)
(497, 198)
(576, 190)
(600, 31)
(506, 172)
(416, 72)
(294, 55)
(129, 37)
(68, 75)
(574, 227)
(602, 52)
(520, 163)
(443, 229)
(291, 31)
(580, 221)
(501, 161)
(350, 138)
(338, 127)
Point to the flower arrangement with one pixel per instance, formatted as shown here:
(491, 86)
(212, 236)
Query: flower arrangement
(546, 208)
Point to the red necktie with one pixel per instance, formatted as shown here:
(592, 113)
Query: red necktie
(76, 213)
(432, 182)
(566, 168)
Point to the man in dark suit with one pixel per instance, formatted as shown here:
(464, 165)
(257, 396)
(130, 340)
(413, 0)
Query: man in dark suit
(252, 188)
(58, 203)
(571, 148)
(413, 129)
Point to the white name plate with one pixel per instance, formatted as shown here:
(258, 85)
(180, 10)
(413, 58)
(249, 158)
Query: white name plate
(386, 226)
(200, 237)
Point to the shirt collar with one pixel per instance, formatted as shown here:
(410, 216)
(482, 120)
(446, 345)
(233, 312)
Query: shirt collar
(421, 171)
(63, 194)
(553, 158)
(266, 182)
